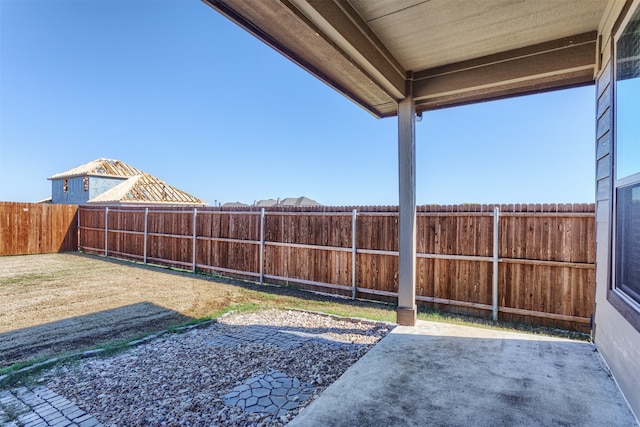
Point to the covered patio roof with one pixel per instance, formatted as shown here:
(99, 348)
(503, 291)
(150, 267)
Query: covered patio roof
(440, 52)
(404, 57)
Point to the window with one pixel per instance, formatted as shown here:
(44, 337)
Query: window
(628, 99)
(628, 241)
(627, 161)
(65, 186)
(85, 183)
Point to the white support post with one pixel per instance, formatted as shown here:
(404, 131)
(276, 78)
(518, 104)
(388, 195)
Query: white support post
(407, 310)
(494, 284)
(106, 231)
(262, 246)
(354, 250)
(146, 232)
(195, 237)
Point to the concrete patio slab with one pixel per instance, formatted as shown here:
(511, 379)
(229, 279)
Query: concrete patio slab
(449, 375)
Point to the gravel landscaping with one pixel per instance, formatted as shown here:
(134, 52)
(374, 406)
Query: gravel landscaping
(258, 368)
(58, 304)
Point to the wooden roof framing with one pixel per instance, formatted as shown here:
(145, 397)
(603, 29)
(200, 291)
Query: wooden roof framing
(100, 167)
(146, 189)
(137, 186)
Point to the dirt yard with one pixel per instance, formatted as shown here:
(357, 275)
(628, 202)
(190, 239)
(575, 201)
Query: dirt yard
(58, 303)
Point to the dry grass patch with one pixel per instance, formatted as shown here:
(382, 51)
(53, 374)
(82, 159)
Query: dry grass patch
(59, 303)
(65, 303)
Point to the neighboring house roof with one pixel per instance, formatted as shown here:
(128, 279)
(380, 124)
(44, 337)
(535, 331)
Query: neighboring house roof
(145, 189)
(289, 201)
(234, 205)
(100, 167)
(299, 201)
(266, 203)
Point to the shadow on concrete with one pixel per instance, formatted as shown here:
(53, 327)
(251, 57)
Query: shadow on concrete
(82, 332)
(449, 375)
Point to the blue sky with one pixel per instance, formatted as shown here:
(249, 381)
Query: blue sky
(175, 89)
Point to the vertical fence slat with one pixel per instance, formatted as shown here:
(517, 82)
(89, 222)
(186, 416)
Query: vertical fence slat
(106, 231)
(354, 250)
(146, 234)
(496, 240)
(78, 230)
(262, 246)
(195, 237)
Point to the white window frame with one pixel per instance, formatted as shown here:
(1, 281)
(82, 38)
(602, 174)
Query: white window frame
(626, 180)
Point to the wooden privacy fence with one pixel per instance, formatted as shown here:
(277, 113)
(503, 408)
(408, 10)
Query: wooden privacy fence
(544, 259)
(37, 228)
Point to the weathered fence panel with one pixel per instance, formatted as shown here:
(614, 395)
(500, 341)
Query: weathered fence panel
(546, 271)
(92, 232)
(311, 248)
(127, 237)
(37, 228)
(228, 243)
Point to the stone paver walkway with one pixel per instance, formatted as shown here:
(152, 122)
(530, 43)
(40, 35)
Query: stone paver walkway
(272, 393)
(41, 407)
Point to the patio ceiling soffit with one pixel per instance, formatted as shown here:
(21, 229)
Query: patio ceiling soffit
(330, 40)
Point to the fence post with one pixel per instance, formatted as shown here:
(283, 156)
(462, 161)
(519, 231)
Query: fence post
(79, 245)
(353, 253)
(261, 246)
(195, 237)
(494, 287)
(106, 231)
(146, 228)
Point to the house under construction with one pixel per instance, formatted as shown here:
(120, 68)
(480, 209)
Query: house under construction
(112, 182)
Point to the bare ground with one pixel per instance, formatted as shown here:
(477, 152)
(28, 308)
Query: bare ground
(59, 303)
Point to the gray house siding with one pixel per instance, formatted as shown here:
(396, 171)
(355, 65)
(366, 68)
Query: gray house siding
(76, 194)
(616, 338)
(75, 191)
(603, 146)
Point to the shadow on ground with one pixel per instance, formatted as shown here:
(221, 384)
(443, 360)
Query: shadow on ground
(223, 372)
(72, 330)
(81, 332)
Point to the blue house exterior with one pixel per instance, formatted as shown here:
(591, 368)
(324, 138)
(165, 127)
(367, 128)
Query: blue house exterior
(80, 189)
(112, 182)
(83, 183)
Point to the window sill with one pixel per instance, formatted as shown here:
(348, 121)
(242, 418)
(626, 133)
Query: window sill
(623, 307)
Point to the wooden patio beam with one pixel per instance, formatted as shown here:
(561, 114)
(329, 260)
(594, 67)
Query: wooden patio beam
(565, 62)
(286, 26)
(340, 22)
